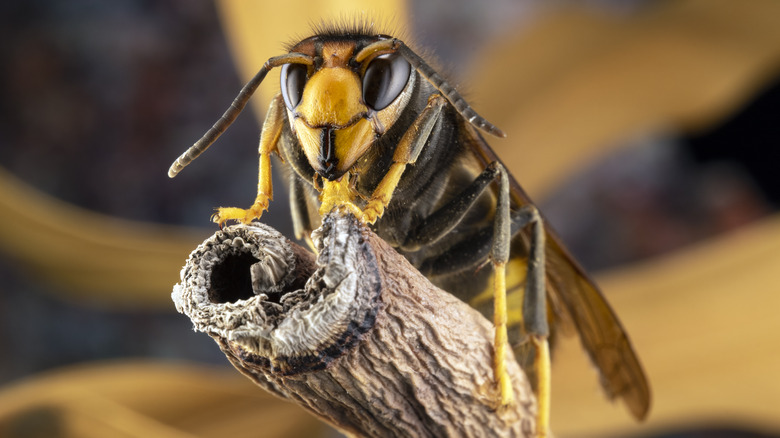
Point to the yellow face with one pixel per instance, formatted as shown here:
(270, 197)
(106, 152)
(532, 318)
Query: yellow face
(338, 107)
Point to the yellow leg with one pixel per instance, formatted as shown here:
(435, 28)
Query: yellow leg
(542, 366)
(272, 130)
(382, 194)
(506, 394)
(409, 147)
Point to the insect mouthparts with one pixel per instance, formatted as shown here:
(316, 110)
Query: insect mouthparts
(327, 157)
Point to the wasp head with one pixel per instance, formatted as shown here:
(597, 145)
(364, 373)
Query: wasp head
(341, 103)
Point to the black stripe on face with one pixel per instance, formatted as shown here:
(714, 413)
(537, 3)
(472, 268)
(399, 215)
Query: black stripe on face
(327, 157)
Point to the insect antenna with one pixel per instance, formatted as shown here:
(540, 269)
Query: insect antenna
(448, 91)
(234, 110)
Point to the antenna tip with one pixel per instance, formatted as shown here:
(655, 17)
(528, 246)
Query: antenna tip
(173, 171)
(493, 130)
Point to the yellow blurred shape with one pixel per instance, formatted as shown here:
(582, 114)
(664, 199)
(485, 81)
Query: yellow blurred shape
(150, 400)
(704, 321)
(92, 257)
(257, 30)
(576, 84)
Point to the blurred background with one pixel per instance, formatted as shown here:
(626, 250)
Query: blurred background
(648, 132)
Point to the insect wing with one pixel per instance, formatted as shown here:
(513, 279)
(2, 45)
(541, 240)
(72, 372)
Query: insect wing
(600, 331)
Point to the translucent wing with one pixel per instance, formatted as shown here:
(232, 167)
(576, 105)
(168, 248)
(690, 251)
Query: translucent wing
(600, 331)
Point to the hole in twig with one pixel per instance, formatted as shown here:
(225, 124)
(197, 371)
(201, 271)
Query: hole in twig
(231, 280)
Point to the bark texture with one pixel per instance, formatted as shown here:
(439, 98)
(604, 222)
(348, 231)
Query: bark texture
(355, 335)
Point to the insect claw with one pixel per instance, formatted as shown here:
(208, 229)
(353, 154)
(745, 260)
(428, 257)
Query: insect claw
(482, 265)
(215, 218)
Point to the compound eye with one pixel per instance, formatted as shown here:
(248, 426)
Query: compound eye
(384, 80)
(293, 78)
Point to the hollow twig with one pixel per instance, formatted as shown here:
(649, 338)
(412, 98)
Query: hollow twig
(357, 335)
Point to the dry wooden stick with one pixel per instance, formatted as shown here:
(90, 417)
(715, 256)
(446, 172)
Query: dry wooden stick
(357, 335)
